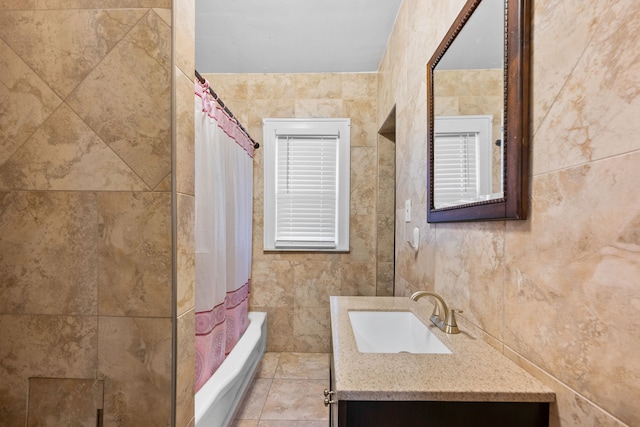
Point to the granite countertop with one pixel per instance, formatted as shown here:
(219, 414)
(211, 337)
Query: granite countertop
(474, 371)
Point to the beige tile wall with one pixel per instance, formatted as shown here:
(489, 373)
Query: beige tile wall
(294, 288)
(85, 210)
(386, 191)
(557, 293)
(184, 249)
(55, 401)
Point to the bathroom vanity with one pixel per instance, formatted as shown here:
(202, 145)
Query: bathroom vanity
(474, 385)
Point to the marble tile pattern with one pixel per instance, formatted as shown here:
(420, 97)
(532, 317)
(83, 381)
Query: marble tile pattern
(56, 401)
(185, 253)
(39, 345)
(385, 210)
(294, 288)
(473, 283)
(363, 181)
(54, 50)
(138, 68)
(134, 364)
(26, 101)
(183, 36)
(386, 176)
(185, 134)
(556, 293)
(49, 247)
(65, 154)
(287, 391)
(85, 112)
(185, 365)
(135, 254)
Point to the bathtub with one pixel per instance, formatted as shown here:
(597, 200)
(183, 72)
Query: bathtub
(219, 398)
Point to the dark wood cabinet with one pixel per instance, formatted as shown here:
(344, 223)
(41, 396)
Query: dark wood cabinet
(351, 413)
(439, 414)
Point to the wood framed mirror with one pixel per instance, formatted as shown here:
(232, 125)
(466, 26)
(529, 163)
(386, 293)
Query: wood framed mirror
(478, 115)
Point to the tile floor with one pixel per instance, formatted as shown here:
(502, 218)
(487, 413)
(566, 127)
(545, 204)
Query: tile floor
(287, 392)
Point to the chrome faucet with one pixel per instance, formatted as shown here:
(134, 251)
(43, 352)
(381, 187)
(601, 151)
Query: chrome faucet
(448, 323)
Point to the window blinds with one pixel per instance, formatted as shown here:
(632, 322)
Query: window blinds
(306, 191)
(456, 166)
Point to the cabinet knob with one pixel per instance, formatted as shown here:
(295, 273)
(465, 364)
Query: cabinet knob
(328, 402)
(327, 397)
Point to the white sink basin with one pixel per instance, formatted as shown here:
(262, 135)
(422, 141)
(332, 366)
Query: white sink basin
(393, 332)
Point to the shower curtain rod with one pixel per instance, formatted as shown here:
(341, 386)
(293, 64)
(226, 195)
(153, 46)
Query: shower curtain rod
(226, 110)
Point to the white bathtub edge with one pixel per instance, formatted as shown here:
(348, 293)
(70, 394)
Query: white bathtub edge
(239, 366)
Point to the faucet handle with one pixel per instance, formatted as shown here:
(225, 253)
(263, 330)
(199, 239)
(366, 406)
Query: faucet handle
(451, 326)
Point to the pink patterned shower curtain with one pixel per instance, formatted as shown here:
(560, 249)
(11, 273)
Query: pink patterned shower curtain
(224, 204)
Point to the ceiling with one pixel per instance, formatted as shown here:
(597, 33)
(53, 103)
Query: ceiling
(292, 36)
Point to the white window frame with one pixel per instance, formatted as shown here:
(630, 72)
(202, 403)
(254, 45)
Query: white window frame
(479, 129)
(308, 129)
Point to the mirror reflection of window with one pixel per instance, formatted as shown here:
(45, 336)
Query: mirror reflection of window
(463, 160)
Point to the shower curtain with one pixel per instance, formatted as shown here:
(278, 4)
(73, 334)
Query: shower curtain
(224, 204)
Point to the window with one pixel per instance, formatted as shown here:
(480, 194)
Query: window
(462, 157)
(306, 184)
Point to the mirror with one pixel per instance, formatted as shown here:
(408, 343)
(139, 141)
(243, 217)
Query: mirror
(478, 115)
